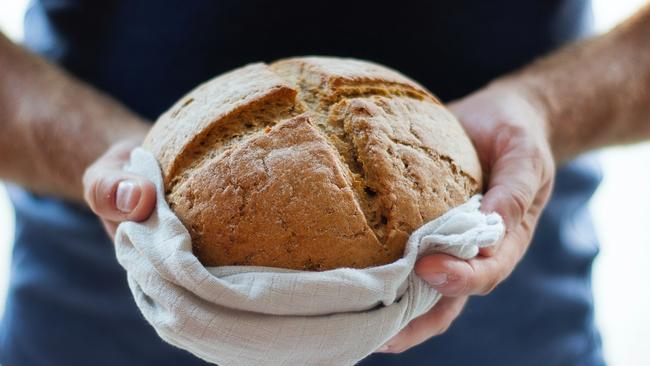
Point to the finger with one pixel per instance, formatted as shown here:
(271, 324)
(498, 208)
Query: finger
(117, 196)
(511, 191)
(456, 277)
(515, 179)
(434, 322)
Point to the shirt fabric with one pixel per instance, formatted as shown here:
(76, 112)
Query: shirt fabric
(68, 301)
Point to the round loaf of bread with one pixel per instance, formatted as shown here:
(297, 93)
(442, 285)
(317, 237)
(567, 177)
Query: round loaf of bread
(310, 163)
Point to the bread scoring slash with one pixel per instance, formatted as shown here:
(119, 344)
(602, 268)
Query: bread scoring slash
(310, 163)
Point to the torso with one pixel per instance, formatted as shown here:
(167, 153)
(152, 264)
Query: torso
(149, 53)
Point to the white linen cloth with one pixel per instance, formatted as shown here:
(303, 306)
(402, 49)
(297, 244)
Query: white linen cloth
(242, 315)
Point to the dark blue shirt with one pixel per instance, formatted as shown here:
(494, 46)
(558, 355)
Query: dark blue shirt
(68, 300)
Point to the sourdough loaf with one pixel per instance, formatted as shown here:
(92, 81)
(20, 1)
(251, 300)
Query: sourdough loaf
(310, 163)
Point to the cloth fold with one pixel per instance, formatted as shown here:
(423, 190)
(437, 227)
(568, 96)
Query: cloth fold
(243, 315)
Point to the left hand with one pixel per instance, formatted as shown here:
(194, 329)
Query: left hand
(509, 129)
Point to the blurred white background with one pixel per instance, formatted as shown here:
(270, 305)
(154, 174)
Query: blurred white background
(621, 211)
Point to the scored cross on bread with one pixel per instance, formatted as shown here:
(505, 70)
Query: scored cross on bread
(310, 163)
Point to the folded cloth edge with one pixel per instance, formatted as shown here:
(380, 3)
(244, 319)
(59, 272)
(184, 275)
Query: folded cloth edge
(185, 301)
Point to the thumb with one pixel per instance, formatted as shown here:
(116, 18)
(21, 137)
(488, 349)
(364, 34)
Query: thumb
(115, 195)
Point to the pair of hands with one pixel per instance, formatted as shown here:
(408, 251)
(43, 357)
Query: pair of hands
(509, 131)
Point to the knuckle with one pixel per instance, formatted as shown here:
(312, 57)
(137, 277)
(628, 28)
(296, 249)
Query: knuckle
(464, 284)
(507, 136)
(488, 282)
(513, 204)
(510, 129)
(535, 157)
(401, 341)
(464, 280)
(443, 327)
(494, 281)
(489, 287)
(539, 159)
(518, 200)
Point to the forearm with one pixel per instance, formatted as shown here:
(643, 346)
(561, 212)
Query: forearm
(596, 92)
(53, 126)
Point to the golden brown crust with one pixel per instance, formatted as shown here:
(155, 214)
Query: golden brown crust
(310, 163)
(186, 124)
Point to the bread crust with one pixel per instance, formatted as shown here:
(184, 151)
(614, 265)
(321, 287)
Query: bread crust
(310, 163)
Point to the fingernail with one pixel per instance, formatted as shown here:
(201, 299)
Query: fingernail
(437, 279)
(127, 196)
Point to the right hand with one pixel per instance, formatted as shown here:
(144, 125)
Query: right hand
(115, 195)
(509, 130)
